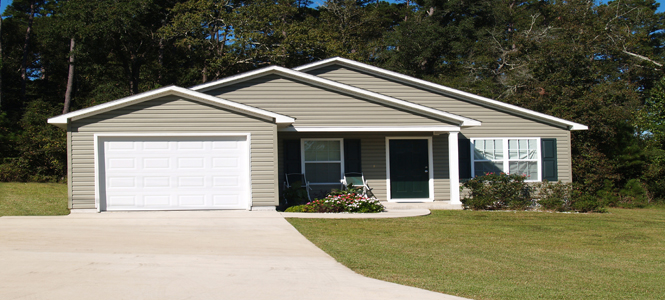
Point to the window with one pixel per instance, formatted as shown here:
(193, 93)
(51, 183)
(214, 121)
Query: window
(323, 162)
(508, 155)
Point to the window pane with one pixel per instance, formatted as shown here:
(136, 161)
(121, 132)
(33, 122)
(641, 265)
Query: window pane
(322, 151)
(533, 149)
(488, 149)
(523, 149)
(498, 152)
(479, 149)
(481, 168)
(528, 168)
(323, 172)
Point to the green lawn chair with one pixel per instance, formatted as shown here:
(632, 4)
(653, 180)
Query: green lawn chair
(358, 180)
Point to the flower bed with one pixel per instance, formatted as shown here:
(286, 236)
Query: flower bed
(344, 202)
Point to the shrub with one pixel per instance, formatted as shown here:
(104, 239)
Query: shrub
(497, 191)
(295, 208)
(582, 202)
(633, 195)
(608, 194)
(554, 195)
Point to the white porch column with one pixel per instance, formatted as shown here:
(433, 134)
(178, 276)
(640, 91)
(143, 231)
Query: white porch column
(453, 167)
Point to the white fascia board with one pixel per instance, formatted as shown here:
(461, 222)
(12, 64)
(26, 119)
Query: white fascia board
(62, 120)
(371, 129)
(447, 90)
(326, 83)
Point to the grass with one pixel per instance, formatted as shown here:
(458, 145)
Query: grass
(506, 255)
(33, 199)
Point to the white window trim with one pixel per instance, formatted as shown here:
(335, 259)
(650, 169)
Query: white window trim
(341, 161)
(506, 160)
(430, 157)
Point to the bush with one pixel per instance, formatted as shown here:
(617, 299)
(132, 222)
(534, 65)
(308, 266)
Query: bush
(41, 148)
(582, 202)
(633, 195)
(497, 191)
(501, 191)
(295, 208)
(554, 195)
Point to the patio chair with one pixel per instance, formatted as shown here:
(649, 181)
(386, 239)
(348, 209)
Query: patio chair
(357, 180)
(292, 180)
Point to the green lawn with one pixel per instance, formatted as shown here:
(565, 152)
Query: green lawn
(506, 255)
(33, 199)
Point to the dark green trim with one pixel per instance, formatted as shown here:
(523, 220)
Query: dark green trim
(549, 160)
(352, 159)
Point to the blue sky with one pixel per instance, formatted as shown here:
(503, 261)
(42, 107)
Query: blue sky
(660, 9)
(4, 4)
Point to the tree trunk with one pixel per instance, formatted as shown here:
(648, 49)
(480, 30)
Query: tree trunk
(205, 70)
(160, 61)
(70, 78)
(24, 62)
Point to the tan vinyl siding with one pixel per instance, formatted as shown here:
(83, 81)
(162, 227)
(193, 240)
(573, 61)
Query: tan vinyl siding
(315, 106)
(373, 157)
(172, 115)
(494, 123)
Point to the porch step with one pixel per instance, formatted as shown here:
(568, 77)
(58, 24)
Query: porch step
(421, 205)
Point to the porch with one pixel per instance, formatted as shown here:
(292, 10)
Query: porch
(400, 166)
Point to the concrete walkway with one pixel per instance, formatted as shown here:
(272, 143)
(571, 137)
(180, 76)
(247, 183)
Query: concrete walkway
(175, 255)
(393, 213)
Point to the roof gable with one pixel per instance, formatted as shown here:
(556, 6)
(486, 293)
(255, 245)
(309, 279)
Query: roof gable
(437, 88)
(63, 120)
(312, 105)
(343, 88)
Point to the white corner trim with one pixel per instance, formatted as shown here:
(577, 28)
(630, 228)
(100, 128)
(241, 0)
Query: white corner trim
(371, 129)
(430, 157)
(441, 88)
(62, 120)
(453, 167)
(322, 82)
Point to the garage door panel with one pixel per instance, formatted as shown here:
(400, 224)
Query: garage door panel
(175, 173)
(192, 200)
(159, 163)
(226, 200)
(190, 145)
(156, 182)
(156, 145)
(190, 163)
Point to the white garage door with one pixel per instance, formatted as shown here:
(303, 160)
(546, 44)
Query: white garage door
(174, 173)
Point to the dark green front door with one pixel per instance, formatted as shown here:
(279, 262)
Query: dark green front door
(409, 169)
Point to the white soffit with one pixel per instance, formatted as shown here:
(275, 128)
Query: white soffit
(444, 89)
(371, 129)
(62, 120)
(326, 83)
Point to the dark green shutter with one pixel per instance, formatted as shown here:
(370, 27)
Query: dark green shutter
(292, 163)
(548, 156)
(464, 151)
(352, 161)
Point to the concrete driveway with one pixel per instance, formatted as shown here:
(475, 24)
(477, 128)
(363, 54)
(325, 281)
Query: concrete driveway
(175, 255)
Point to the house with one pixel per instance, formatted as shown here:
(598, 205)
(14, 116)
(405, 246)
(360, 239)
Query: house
(227, 144)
